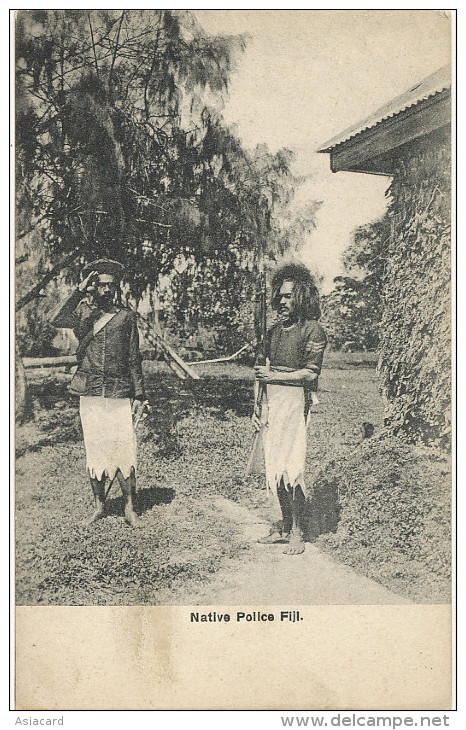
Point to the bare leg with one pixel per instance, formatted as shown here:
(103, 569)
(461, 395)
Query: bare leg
(98, 490)
(128, 487)
(284, 497)
(283, 534)
(298, 501)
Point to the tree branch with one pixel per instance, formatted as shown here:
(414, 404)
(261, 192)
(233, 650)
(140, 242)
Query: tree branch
(110, 76)
(93, 45)
(35, 291)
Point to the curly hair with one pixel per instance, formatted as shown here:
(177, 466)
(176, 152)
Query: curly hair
(305, 293)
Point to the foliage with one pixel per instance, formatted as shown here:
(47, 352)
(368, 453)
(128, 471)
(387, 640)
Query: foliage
(368, 253)
(113, 108)
(196, 307)
(394, 516)
(415, 354)
(249, 207)
(294, 225)
(31, 333)
(351, 313)
(353, 310)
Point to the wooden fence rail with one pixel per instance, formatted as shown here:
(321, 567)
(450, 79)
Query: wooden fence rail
(49, 362)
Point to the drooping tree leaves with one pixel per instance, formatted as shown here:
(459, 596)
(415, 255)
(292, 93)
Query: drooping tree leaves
(111, 113)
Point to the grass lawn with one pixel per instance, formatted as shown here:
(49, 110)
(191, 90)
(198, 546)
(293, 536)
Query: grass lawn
(192, 448)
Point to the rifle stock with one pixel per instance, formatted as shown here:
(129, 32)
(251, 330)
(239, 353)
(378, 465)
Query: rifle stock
(255, 463)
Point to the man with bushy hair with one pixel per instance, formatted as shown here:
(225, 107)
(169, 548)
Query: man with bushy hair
(294, 349)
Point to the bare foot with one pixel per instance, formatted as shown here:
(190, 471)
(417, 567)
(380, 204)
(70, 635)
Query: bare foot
(296, 545)
(131, 517)
(96, 515)
(274, 537)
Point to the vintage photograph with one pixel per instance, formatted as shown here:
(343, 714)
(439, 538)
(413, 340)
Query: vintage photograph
(233, 307)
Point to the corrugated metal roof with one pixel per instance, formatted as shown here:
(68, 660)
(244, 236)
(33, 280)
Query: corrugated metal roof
(428, 87)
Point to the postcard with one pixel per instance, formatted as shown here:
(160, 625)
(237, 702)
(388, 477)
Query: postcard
(233, 477)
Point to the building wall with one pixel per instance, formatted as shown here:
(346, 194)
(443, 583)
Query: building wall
(415, 346)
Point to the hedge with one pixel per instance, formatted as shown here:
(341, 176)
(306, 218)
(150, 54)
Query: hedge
(415, 359)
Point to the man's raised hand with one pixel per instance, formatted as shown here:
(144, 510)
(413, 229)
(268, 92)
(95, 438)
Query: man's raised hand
(88, 281)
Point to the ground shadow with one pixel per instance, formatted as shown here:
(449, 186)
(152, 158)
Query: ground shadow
(144, 500)
(221, 394)
(55, 418)
(153, 496)
(322, 512)
(47, 393)
(214, 393)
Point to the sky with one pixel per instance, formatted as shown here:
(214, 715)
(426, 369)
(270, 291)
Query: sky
(307, 75)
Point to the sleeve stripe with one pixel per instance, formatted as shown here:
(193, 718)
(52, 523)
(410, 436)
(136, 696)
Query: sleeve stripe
(317, 343)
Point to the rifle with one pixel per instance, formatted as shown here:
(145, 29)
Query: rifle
(173, 360)
(260, 325)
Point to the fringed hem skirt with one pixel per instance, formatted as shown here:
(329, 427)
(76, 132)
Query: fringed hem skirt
(109, 436)
(285, 437)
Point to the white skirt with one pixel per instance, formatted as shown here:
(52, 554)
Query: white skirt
(109, 436)
(285, 437)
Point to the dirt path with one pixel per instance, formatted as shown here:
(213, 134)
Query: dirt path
(268, 577)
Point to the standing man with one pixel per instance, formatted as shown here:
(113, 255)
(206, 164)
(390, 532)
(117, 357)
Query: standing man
(108, 380)
(295, 349)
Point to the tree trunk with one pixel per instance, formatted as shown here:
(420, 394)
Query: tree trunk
(23, 405)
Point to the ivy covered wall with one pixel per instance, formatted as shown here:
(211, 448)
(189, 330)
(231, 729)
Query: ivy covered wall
(415, 344)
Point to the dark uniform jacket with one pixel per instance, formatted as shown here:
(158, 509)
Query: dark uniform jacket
(109, 362)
